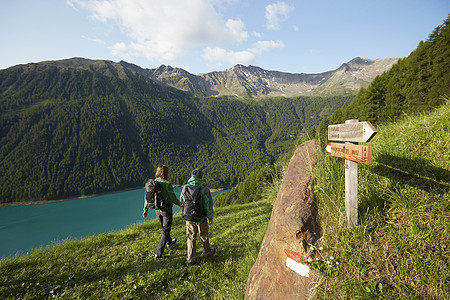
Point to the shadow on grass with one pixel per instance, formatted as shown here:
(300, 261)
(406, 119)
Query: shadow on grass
(116, 273)
(417, 173)
(111, 262)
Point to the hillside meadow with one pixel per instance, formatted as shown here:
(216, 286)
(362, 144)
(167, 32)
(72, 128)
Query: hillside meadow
(400, 248)
(120, 265)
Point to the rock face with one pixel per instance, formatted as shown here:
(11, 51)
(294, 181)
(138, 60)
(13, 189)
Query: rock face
(354, 75)
(292, 226)
(249, 81)
(252, 81)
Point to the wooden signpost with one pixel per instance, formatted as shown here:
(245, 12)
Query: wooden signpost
(352, 132)
(358, 153)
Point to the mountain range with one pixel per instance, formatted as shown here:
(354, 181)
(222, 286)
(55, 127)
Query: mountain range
(252, 81)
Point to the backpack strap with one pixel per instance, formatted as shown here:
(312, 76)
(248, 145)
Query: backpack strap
(166, 199)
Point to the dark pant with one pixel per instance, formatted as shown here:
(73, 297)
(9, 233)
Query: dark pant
(165, 218)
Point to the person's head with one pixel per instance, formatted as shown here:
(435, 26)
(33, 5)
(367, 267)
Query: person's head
(197, 172)
(162, 171)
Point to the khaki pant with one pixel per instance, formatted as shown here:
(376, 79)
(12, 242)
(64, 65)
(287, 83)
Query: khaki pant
(192, 229)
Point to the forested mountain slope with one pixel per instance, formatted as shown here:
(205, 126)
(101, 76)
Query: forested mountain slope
(77, 127)
(415, 84)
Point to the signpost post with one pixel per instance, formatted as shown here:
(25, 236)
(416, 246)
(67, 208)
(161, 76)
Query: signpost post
(352, 132)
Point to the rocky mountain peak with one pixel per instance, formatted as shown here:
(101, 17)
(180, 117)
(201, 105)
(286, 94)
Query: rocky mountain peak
(254, 81)
(249, 81)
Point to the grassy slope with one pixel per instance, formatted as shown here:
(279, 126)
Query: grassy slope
(120, 264)
(401, 247)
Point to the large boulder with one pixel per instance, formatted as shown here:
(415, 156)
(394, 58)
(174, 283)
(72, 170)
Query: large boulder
(292, 226)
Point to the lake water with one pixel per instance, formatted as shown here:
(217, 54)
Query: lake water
(27, 227)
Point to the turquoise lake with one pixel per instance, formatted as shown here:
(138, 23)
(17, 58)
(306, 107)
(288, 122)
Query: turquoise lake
(23, 228)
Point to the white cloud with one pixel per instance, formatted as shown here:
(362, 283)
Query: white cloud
(262, 46)
(95, 40)
(257, 34)
(236, 28)
(164, 30)
(219, 54)
(277, 12)
(121, 50)
(71, 4)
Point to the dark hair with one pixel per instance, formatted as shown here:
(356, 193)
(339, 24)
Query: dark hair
(162, 171)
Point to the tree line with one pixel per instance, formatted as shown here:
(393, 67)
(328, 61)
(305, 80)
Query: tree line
(417, 83)
(69, 131)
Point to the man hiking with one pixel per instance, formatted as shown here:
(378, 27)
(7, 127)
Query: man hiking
(197, 209)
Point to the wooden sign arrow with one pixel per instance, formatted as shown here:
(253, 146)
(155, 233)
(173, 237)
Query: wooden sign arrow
(358, 153)
(357, 132)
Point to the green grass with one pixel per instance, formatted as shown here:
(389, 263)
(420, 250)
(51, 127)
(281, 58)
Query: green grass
(120, 265)
(400, 248)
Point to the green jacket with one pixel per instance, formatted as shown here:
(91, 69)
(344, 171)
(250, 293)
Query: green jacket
(168, 193)
(207, 202)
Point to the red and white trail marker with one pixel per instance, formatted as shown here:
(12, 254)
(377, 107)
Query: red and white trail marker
(294, 262)
(328, 148)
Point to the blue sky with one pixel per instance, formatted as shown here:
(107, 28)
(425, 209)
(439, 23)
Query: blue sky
(201, 36)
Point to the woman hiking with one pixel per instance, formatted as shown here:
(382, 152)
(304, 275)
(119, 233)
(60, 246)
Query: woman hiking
(164, 215)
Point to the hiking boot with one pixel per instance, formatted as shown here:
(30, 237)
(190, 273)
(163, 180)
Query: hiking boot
(159, 257)
(188, 264)
(170, 246)
(210, 253)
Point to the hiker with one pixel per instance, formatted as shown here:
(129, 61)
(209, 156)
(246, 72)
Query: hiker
(197, 218)
(164, 214)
